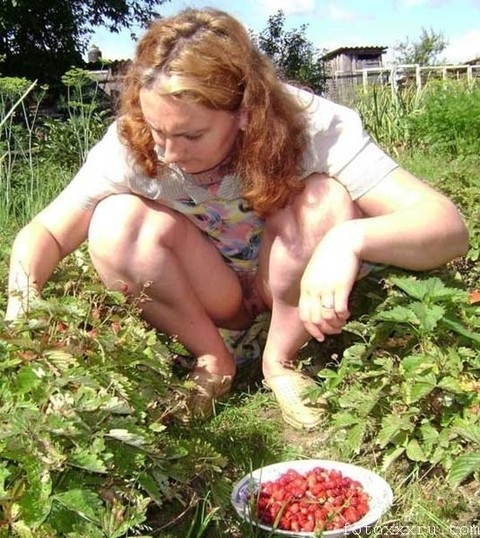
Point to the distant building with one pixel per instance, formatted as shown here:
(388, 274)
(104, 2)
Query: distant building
(94, 54)
(109, 76)
(344, 70)
(475, 61)
(349, 59)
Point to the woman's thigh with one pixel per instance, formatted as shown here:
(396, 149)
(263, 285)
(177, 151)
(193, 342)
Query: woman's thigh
(141, 240)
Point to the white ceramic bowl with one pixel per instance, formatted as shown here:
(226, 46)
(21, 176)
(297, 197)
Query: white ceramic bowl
(380, 493)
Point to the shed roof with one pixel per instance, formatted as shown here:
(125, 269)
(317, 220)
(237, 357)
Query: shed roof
(474, 61)
(358, 50)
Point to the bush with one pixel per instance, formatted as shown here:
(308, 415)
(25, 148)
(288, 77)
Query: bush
(449, 119)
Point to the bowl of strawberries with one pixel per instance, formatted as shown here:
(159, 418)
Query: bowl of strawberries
(304, 497)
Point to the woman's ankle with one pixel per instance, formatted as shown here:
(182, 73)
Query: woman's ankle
(274, 367)
(213, 364)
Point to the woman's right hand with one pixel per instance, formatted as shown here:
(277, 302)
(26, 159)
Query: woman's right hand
(328, 280)
(19, 303)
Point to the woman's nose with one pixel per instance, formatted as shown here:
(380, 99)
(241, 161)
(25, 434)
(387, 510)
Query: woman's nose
(172, 150)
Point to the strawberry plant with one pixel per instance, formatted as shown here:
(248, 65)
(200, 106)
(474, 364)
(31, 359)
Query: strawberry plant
(410, 382)
(87, 396)
(90, 397)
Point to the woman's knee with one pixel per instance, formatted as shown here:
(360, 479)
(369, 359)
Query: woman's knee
(123, 223)
(300, 226)
(324, 200)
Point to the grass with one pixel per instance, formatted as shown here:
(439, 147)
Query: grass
(89, 396)
(425, 503)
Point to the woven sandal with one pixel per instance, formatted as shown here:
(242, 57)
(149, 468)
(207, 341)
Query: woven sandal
(297, 409)
(208, 388)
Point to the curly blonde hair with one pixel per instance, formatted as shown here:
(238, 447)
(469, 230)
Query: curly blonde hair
(209, 59)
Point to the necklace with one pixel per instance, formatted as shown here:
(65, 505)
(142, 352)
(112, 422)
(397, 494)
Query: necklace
(214, 175)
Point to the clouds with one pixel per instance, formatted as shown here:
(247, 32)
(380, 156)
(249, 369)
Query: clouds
(336, 12)
(333, 11)
(289, 7)
(334, 23)
(421, 3)
(463, 48)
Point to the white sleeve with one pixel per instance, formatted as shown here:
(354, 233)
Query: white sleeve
(105, 171)
(340, 147)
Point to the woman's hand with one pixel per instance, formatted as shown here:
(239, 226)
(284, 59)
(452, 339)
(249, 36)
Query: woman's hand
(19, 302)
(328, 280)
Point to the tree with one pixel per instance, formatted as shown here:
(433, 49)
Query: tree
(293, 54)
(424, 51)
(41, 39)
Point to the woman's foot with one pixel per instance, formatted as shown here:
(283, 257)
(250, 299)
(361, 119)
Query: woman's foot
(209, 388)
(295, 394)
(212, 378)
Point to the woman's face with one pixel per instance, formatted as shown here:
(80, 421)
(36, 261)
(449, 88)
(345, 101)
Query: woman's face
(193, 136)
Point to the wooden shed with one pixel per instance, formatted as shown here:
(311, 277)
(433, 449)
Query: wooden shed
(348, 59)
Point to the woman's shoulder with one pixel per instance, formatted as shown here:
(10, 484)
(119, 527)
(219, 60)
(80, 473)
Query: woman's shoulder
(322, 113)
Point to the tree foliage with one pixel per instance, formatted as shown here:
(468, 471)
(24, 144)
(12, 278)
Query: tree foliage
(293, 54)
(42, 39)
(423, 51)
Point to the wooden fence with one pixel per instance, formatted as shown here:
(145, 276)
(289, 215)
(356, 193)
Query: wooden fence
(343, 87)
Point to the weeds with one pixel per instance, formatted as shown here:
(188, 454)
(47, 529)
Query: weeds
(90, 443)
(410, 386)
(384, 114)
(17, 134)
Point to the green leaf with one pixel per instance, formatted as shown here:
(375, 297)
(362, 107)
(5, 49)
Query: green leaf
(355, 352)
(342, 420)
(439, 455)
(429, 434)
(392, 455)
(26, 380)
(432, 288)
(463, 467)
(428, 315)
(157, 427)
(7, 364)
(4, 474)
(415, 451)
(326, 373)
(452, 384)
(455, 326)
(83, 502)
(22, 530)
(117, 406)
(415, 364)
(333, 378)
(61, 359)
(128, 438)
(397, 314)
(416, 390)
(355, 436)
(148, 483)
(471, 432)
(392, 425)
(93, 457)
(35, 503)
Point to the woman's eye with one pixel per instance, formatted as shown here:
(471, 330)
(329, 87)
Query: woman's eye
(193, 137)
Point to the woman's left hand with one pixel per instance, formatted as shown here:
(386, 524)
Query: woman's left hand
(328, 280)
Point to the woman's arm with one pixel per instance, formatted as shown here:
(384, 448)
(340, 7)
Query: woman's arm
(406, 223)
(38, 247)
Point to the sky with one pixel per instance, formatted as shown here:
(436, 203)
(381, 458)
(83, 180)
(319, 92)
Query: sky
(336, 23)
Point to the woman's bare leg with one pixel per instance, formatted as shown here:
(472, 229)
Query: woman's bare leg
(190, 290)
(289, 240)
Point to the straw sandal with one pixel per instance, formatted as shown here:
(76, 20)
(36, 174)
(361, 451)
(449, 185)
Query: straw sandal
(208, 389)
(297, 409)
